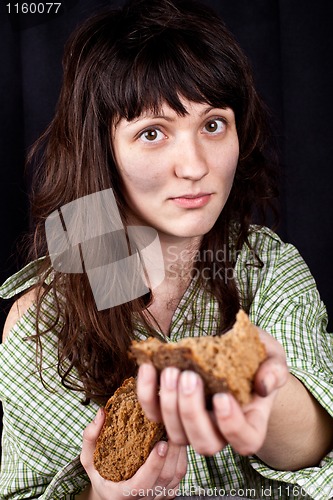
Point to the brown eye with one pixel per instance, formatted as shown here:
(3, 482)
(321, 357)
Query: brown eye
(150, 135)
(214, 126)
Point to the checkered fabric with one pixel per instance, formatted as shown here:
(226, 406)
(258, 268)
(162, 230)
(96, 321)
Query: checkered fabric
(43, 421)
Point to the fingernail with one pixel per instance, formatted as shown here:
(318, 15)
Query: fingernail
(162, 448)
(268, 383)
(98, 415)
(188, 382)
(170, 376)
(222, 403)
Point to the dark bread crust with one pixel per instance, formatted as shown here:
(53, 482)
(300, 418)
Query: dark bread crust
(226, 363)
(127, 436)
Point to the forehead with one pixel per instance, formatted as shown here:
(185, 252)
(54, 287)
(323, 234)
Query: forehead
(166, 112)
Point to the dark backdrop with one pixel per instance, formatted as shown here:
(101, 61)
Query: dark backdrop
(290, 45)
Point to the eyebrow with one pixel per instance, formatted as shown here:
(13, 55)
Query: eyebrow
(168, 118)
(150, 117)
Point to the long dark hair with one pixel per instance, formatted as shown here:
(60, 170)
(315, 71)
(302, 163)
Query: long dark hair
(117, 65)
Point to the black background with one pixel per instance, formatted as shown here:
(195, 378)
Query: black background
(290, 45)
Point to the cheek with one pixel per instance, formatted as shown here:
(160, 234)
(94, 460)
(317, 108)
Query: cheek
(141, 178)
(227, 168)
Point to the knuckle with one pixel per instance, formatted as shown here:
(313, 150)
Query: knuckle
(153, 416)
(144, 398)
(151, 410)
(207, 449)
(179, 474)
(232, 433)
(164, 479)
(168, 408)
(83, 460)
(135, 485)
(177, 436)
(187, 413)
(248, 449)
(87, 433)
(181, 471)
(178, 439)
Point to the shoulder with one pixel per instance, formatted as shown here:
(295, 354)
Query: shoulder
(25, 284)
(269, 247)
(269, 267)
(283, 285)
(18, 309)
(262, 250)
(263, 238)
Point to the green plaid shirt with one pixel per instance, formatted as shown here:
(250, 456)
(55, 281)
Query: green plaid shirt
(43, 424)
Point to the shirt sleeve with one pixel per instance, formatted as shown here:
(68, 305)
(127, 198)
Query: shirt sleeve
(286, 303)
(22, 280)
(19, 479)
(43, 420)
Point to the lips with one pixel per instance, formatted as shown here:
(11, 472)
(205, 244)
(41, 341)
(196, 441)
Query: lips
(191, 196)
(192, 200)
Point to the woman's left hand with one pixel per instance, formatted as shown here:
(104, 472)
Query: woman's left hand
(181, 405)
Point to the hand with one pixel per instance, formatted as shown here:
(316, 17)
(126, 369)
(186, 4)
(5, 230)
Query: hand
(181, 405)
(162, 471)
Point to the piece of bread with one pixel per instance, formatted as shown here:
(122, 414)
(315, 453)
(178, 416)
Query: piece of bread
(226, 364)
(127, 436)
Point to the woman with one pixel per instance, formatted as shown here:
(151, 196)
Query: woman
(158, 105)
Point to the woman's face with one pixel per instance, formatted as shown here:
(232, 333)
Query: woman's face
(178, 170)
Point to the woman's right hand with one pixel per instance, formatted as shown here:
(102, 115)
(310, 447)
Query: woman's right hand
(161, 473)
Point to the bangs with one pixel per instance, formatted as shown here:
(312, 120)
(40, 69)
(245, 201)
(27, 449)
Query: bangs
(168, 67)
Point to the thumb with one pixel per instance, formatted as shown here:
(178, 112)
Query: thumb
(90, 435)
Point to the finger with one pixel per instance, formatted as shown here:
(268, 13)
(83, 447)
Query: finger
(160, 478)
(147, 475)
(271, 375)
(201, 431)
(179, 466)
(174, 467)
(244, 430)
(147, 391)
(90, 436)
(273, 372)
(169, 406)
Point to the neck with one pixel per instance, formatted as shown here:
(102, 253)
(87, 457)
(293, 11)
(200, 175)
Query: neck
(179, 255)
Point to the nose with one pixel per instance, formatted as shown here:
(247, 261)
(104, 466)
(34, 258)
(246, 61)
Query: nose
(190, 160)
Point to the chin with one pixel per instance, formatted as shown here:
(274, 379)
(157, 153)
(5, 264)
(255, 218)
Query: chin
(188, 232)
